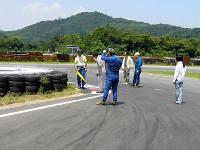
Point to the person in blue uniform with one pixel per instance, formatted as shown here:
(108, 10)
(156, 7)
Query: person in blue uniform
(138, 66)
(114, 64)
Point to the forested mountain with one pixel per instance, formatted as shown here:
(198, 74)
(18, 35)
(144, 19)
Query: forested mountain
(86, 22)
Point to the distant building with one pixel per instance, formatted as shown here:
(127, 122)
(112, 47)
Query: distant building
(73, 49)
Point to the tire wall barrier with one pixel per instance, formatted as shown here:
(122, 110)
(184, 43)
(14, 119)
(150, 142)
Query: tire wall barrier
(20, 84)
(37, 56)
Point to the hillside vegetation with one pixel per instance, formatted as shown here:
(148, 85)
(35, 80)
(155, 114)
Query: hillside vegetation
(87, 22)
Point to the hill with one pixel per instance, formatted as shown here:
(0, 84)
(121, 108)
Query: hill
(86, 22)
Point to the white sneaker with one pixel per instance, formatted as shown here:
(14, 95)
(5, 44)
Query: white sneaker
(123, 83)
(126, 83)
(178, 102)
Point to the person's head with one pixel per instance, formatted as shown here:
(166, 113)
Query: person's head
(137, 54)
(111, 51)
(126, 53)
(180, 59)
(95, 55)
(79, 53)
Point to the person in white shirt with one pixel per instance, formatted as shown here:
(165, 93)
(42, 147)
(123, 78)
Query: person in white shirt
(81, 67)
(127, 64)
(101, 71)
(179, 78)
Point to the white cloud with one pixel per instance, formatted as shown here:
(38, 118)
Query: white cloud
(38, 11)
(24, 14)
(79, 10)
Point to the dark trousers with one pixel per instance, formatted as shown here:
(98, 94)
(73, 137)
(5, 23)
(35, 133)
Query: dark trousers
(80, 82)
(110, 84)
(136, 78)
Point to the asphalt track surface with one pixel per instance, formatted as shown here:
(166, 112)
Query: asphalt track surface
(145, 118)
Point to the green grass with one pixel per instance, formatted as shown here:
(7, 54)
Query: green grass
(12, 98)
(195, 75)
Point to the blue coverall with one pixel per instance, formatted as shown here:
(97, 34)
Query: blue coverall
(138, 65)
(82, 71)
(114, 64)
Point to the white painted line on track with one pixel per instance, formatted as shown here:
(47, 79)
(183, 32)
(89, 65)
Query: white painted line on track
(47, 106)
(157, 89)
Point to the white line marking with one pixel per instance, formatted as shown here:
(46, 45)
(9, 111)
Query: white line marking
(47, 106)
(157, 89)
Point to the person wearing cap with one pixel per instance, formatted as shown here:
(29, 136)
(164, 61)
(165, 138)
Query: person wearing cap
(138, 66)
(114, 64)
(126, 65)
(81, 67)
(101, 72)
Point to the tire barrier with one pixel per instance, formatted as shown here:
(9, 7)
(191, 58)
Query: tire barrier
(33, 83)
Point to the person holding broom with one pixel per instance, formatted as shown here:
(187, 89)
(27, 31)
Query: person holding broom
(81, 69)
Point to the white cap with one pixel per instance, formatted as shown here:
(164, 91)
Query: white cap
(137, 54)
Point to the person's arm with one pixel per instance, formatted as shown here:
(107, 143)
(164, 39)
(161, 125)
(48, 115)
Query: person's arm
(99, 66)
(85, 61)
(131, 62)
(75, 64)
(176, 73)
(123, 63)
(105, 58)
(140, 62)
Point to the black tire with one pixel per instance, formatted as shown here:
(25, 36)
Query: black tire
(31, 78)
(32, 83)
(16, 90)
(32, 89)
(55, 76)
(57, 82)
(46, 88)
(64, 80)
(3, 84)
(65, 85)
(3, 79)
(58, 87)
(3, 90)
(16, 78)
(16, 84)
(64, 75)
(2, 94)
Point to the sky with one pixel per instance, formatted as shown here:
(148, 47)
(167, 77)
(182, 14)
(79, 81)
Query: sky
(16, 14)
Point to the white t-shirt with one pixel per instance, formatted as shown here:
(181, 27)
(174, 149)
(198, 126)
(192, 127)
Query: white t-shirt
(179, 72)
(80, 61)
(100, 65)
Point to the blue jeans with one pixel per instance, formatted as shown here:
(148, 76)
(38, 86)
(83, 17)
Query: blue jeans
(110, 84)
(81, 83)
(179, 90)
(136, 78)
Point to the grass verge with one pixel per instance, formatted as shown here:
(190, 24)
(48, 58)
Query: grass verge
(195, 75)
(12, 98)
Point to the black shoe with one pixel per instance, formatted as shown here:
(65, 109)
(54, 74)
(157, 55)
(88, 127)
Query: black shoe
(133, 85)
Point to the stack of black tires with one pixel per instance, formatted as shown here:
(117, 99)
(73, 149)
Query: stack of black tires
(16, 84)
(3, 85)
(32, 83)
(56, 81)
